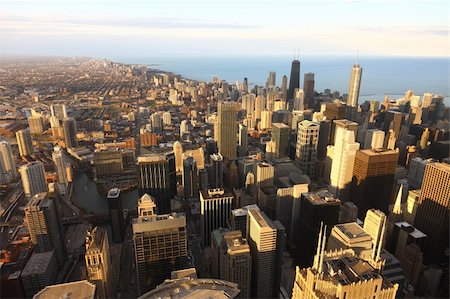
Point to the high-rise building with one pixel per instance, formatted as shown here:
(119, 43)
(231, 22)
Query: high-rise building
(59, 111)
(308, 88)
(280, 135)
(36, 124)
(373, 179)
(239, 219)
(78, 289)
(45, 227)
(61, 164)
(260, 104)
(266, 120)
(374, 139)
(272, 81)
(167, 251)
(243, 140)
(306, 147)
(355, 84)
(215, 209)
(116, 214)
(393, 120)
(157, 177)
(344, 153)
(190, 178)
(265, 172)
(98, 262)
(284, 88)
(245, 85)
(215, 171)
(236, 261)
(227, 129)
(70, 132)
(315, 208)
(40, 271)
(7, 161)
(263, 248)
(433, 210)
(33, 178)
(299, 98)
(375, 227)
(24, 142)
(294, 80)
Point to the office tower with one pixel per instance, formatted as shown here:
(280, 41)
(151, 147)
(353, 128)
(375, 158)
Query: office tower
(78, 289)
(36, 124)
(315, 208)
(7, 160)
(260, 105)
(98, 262)
(116, 214)
(393, 120)
(294, 80)
(374, 139)
(243, 140)
(335, 110)
(59, 111)
(70, 132)
(266, 120)
(215, 171)
(178, 153)
(184, 127)
(107, 162)
(433, 210)
(33, 178)
(156, 123)
(263, 247)
(299, 97)
(215, 205)
(190, 178)
(279, 105)
(284, 88)
(245, 85)
(61, 164)
(272, 81)
(355, 84)
(375, 226)
(236, 261)
(416, 171)
(248, 103)
(306, 147)
(167, 118)
(265, 172)
(280, 135)
(344, 153)
(24, 142)
(168, 250)
(45, 227)
(157, 177)
(341, 274)
(348, 212)
(308, 88)
(324, 137)
(239, 219)
(227, 129)
(373, 178)
(40, 271)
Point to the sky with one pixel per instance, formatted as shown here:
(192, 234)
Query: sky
(232, 28)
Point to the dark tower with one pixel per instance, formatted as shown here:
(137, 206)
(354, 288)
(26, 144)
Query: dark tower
(116, 214)
(294, 80)
(308, 89)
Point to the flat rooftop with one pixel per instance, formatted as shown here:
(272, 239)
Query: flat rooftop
(38, 263)
(352, 230)
(322, 197)
(158, 222)
(244, 210)
(190, 288)
(77, 289)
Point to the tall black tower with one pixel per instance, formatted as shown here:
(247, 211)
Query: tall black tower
(116, 214)
(294, 80)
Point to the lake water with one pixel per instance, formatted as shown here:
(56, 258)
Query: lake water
(86, 196)
(381, 75)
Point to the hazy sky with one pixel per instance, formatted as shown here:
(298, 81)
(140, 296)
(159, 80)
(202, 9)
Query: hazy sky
(197, 28)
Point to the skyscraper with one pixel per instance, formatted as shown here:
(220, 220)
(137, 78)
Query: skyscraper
(373, 179)
(116, 214)
(157, 177)
(190, 178)
(61, 164)
(433, 211)
(168, 250)
(355, 84)
(284, 88)
(7, 160)
(98, 262)
(33, 178)
(36, 124)
(263, 247)
(227, 129)
(45, 227)
(24, 142)
(280, 135)
(308, 89)
(215, 171)
(272, 81)
(59, 111)
(243, 140)
(215, 205)
(306, 147)
(344, 154)
(70, 132)
(299, 98)
(294, 80)
(265, 172)
(236, 261)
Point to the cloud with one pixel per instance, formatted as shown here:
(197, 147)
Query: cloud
(435, 30)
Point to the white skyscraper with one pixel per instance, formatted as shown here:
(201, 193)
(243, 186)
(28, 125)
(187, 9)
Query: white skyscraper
(7, 160)
(374, 139)
(344, 153)
(299, 96)
(355, 83)
(24, 142)
(306, 147)
(33, 178)
(61, 164)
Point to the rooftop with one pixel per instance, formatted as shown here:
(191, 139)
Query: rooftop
(322, 197)
(114, 193)
(244, 210)
(194, 289)
(77, 289)
(38, 263)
